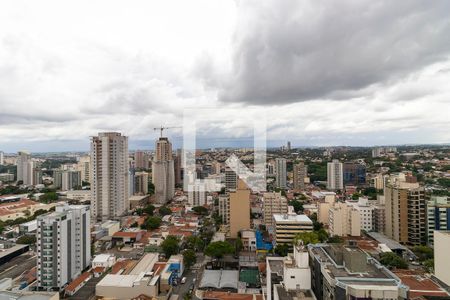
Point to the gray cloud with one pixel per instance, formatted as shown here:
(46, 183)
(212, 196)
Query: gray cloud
(290, 51)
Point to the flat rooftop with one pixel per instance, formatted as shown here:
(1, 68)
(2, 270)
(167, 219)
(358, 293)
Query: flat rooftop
(292, 218)
(372, 274)
(293, 295)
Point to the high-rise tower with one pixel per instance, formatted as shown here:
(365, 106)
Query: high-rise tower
(109, 172)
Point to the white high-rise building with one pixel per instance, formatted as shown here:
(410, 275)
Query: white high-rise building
(63, 245)
(2, 158)
(84, 166)
(163, 171)
(70, 180)
(197, 195)
(335, 175)
(280, 172)
(109, 169)
(344, 220)
(25, 168)
(366, 213)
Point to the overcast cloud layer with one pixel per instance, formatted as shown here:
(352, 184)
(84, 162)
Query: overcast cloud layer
(324, 72)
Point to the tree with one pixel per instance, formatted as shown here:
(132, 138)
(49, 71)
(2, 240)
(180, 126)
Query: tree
(392, 260)
(200, 210)
(307, 237)
(189, 258)
(194, 243)
(423, 252)
(164, 211)
(282, 249)
(335, 239)
(149, 209)
(238, 245)
(356, 196)
(298, 206)
(151, 223)
(322, 234)
(27, 240)
(429, 265)
(219, 249)
(135, 224)
(170, 246)
(151, 188)
(49, 197)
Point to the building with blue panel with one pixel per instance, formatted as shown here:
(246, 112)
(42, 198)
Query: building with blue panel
(354, 174)
(438, 216)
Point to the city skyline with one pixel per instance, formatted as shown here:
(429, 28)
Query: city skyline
(64, 83)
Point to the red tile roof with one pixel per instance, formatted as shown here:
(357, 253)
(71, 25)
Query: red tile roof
(77, 281)
(419, 285)
(131, 234)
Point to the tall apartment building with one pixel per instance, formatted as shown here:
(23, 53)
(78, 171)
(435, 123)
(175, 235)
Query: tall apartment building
(344, 220)
(300, 174)
(335, 179)
(25, 167)
(354, 174)
(365, 211)
(197, 195)
(84, 166)
(438, 216)
(231, 179)
(274, 203)
(178, 167)
(405, 212)
(287, 226)
(141, 183)
(379, 218)
(163, 171)
(270, 169)
(70, 180)
(2, 158)
(63, 245)
(141, 160)
(239, 209)
(381, 151)
(110, 177)
(224, 208)
(280, 173)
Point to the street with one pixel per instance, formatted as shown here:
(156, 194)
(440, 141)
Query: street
(182, 289)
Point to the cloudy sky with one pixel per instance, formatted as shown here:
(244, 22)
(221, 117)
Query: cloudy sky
(321, 72)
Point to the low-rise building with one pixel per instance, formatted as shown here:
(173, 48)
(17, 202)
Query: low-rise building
(111, 226)
(248, 238)
(21, 209)
(289, 225)
(81, 196)
(104, 260)
(143, 279)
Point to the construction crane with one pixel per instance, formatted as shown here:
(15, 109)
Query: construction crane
(162, 128)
